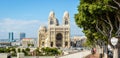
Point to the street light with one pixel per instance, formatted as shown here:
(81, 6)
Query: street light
(114, 42)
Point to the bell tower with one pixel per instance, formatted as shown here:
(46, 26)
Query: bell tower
(52, 21)
(66, 19)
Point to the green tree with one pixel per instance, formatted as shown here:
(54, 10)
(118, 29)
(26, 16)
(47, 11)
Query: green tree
(13, 50)
(38, 52)
(29, 45)
(100, 19)
(25, 52)
(2, 50)
(19, 50)
(50, 51)
(32, 45)
(27, 49)
(8, 50)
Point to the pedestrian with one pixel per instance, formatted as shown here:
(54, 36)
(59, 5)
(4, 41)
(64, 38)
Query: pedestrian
(93, 54)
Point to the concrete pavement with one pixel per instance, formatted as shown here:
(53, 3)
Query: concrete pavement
(81, 54)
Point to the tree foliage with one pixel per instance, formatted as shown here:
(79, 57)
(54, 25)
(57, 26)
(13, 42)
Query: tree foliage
(19, 50)
(100, 19)
(38, 52)
(27, 49)
(50, 51)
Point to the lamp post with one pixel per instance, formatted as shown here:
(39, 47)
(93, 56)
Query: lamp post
(114, 42)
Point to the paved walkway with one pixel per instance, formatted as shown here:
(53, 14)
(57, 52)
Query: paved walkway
(81, 54)
(97, 55)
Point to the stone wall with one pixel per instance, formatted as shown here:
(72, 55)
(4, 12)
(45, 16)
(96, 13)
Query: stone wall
(37, 57)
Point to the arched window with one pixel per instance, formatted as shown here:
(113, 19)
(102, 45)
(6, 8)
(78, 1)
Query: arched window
(51, 44)
(59, 36)
(59, 40)
(43, 43)
(66, 43)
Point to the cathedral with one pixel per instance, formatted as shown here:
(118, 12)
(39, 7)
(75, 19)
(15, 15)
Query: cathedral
(55, 35)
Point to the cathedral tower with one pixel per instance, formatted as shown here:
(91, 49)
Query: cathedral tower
(66, 19)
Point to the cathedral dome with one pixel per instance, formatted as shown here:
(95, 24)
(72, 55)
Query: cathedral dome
(66, 14)
(43, 28)
(52, 14)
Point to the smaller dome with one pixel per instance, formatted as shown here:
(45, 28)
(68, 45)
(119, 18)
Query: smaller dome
(52, 14)
(43, 28)
(66, 14)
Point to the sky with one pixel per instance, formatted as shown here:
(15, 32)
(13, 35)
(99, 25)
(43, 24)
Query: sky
(28, 15)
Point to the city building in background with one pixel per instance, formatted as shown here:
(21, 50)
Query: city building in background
(78, 41)
(28, 42)
(22, 35)
(55, 35)
(5, 44)
(16, 43)
(11, 36)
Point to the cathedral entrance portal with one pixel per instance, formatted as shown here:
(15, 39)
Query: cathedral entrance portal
(59, 40)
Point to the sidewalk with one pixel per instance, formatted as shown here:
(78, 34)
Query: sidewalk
(81, 54)
(92, 56)
(96, 55)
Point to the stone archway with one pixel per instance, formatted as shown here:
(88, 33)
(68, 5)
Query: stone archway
(59, 40)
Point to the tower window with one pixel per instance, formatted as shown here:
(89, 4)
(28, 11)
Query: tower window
(66, 22)
(51, 22)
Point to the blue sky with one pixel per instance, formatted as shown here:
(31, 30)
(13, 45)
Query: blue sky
(28, 15)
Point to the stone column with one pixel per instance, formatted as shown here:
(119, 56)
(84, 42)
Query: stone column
(69, 39)
(54, 39)
(63, 39)
(49, 39)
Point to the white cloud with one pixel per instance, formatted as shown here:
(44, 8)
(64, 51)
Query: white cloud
(9, 24)
(30, 27)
